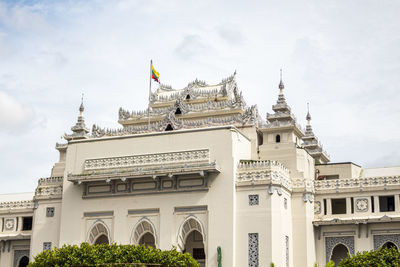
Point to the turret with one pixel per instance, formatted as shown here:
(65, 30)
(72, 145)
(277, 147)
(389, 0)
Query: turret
(79, 130)
(311, 144)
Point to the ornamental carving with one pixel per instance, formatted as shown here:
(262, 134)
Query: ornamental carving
(331, 242)
(380, 240)
(191, 156)
(253, 250)
(263, 172)
(24, 204)
(362, 205)
(317, 207)
(357, 184)
(9, 224)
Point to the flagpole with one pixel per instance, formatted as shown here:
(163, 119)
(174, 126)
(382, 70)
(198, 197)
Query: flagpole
(148, 109)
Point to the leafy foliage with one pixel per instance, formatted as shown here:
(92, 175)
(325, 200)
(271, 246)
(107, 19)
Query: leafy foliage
(383, 257)
(112, 255)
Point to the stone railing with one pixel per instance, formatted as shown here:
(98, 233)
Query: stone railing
(192, 156)
(358, 184)
(24, 204)
(50, 180)
(263, 172)
(50, 187)
(278, 123)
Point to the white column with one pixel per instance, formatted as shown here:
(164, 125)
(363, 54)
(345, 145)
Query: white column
(328, 206)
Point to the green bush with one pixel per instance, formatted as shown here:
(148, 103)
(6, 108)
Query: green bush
(111, 255)
(384, 257)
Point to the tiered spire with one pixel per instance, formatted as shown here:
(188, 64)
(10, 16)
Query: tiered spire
(79, 130)
(311, 144)
(283, 115)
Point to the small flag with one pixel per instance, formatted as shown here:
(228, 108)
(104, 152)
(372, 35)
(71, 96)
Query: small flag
(154, 74)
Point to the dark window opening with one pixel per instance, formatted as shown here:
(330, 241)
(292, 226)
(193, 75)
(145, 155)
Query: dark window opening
(23, 262)
(389, 245)
(260, 139)
(198, 254)
(386, 203)
(324, 206)
(372, 204)
(352, 205)
(178, 111)
(338, 205)
(26, 223)
(169, 128)
(278, 138)
(188, 97)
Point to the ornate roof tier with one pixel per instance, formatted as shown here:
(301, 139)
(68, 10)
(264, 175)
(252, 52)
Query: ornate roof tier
(311, 144)
(198, 105)
(79, 130)
(282, 116)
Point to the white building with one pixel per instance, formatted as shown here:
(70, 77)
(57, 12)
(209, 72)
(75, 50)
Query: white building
(208, 172)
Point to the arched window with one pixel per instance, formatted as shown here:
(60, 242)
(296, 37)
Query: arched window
(187, 97)
(277, 138)
(144, 233)
(339, 253)
(191, 239)
(23, 262)
(169, 128)
(99, 234)
(389, 245)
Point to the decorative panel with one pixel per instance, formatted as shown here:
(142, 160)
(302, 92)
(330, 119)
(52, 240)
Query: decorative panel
(380, 240)
(331, 242)
(46, 245)
(317, 207)
(191, 182)
(287, 250)
(362, 204)
(253, 200)
(253, 250)
(19, 254)
(144, 186)
(99, 189)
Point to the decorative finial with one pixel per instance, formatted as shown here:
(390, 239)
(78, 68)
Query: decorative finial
(281, 85)
(308, 117)
(81, 108)
(234, 73)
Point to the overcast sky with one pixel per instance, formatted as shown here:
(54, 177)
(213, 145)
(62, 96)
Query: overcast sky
(341, 56)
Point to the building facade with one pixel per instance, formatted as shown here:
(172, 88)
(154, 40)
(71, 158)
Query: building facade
(202, 171)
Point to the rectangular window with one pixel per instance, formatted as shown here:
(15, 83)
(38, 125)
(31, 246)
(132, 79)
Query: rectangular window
(26, 223)
(253, 200)
(372, 204)
(352, 204)
(338, 205)
(386, 203)
(50, 212)
(47, 246)
(325, 207)
(253, 250)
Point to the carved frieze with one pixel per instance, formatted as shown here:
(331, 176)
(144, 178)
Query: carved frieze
(317, 207)
(357, 184)
(182, 157)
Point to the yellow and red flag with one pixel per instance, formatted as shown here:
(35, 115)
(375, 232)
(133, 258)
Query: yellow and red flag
(154, 74)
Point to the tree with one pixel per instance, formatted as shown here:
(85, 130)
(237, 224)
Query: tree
(383, 257)
(112, 255)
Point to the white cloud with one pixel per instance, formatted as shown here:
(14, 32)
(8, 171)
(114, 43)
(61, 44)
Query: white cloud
(14, 117)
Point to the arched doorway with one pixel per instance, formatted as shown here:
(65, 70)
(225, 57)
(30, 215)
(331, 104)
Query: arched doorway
(339, 253)
(389, 245)
(23, 262)
(194, 246)
(99, 234)
(147, 240)
(192, 240)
